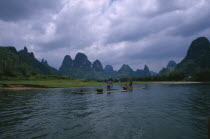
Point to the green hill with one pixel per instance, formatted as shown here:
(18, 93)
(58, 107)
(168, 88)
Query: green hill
(82, 68)
(22, 62)
(197, 58)
(11, 63)
(41, 67)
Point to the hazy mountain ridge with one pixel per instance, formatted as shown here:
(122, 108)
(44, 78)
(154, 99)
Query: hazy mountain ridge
(169, 68)
(109, 71)
(171, 64)
(197, 58)
(81, 67)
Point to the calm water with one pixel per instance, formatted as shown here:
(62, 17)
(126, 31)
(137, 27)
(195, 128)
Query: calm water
(158, 112)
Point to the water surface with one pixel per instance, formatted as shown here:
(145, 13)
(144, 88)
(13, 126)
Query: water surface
(159, 111)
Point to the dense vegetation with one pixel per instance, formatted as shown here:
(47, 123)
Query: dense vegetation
(11, 63)
(41, 67)
(197, 58)
(203, 75)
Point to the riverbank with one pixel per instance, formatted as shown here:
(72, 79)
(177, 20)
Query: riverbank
(21, 87)
(43, 84)
(166, 82)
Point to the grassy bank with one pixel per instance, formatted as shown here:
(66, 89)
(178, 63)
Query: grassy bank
(49, 81)
(55, 83)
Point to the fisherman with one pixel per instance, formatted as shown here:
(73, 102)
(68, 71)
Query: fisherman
(109, 83)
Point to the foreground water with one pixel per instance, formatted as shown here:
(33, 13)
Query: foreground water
(157, 112)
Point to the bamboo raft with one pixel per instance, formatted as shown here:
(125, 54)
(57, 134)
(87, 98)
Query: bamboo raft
(114, 91)
(139, 88)
(126, 89)
(81, 93)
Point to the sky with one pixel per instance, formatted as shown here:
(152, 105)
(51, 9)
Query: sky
(134, 32)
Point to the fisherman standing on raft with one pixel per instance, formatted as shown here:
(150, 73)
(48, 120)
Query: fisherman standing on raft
(109, 83)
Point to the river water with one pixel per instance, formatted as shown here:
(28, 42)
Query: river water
(157, 112)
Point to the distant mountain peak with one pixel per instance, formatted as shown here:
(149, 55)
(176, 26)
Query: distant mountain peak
(125, 66)
(125, 71)
(108, 68)
(170, 67)
(44, 61)
(32, 54)
(67, 58)
(200, 39)
(66, 64)
(197, 58)
(81, 61)
(171, 64)
(25, 52)
(25, 49)
(97, 65)
(146, 69)
(81, 56)
(198, 47)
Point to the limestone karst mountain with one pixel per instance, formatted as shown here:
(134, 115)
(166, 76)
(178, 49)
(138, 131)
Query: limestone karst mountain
(197, 58)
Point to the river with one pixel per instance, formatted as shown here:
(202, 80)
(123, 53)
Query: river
(156, 112)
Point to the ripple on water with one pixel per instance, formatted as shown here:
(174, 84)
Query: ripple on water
(159, 111)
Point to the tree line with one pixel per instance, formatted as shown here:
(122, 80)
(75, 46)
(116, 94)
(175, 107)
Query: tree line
(202, 75)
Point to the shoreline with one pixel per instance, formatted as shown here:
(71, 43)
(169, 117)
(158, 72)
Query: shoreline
(7, 86)
(22, 87)
(169, 82)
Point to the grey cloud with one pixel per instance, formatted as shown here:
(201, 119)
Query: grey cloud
(13, 10)
(174, 15)
(74, 29)
(166, 6)
(98, 28)
(161, 47)
(200, 22)
(139, 29)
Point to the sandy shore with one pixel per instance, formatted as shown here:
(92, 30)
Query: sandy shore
(21, 87)
(175, 82)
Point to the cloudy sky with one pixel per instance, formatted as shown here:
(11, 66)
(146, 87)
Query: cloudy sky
(134, 32)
